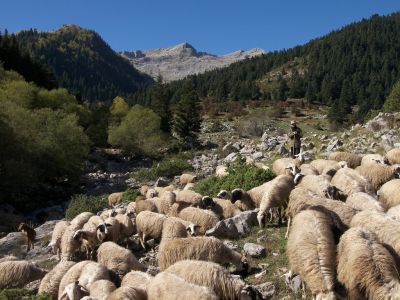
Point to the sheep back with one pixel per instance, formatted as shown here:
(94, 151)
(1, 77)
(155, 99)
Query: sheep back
(365, 265)
(364, 201)
(51, 282)
(17, 273)
(150, 224)
(353, 160)
(393, 156)
(389, 194)
(204, 218)
(311, 251)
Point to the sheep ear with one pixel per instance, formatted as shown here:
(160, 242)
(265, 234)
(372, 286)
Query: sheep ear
(83, 289)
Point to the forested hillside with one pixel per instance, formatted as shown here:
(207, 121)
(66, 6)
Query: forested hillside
(351, 68)
(83, 62)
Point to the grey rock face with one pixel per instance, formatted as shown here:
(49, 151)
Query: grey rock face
(181, 60)
(267, 289)
(254, 250)
(235, 227)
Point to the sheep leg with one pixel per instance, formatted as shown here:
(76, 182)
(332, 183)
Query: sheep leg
(288, 227)
(279, 216)
(303, 290)
(142, 238)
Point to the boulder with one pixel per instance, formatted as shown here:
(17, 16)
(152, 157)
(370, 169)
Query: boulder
(254, 250)
(236, 226)
(267, 289)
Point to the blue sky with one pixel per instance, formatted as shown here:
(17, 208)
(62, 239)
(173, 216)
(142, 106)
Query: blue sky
(215, 26)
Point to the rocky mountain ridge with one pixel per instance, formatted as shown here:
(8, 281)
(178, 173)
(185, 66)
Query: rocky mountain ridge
(179, 61)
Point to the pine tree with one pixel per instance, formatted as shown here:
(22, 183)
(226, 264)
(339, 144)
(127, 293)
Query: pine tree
(187, 119)
(160, 101)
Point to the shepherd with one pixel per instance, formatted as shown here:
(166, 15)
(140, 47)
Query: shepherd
(295, 135)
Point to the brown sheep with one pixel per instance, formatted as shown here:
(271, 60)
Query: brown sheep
(29, 234)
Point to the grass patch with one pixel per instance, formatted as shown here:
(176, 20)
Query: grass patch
(240, 175)
(81, 203)
(17, 294)
(273, 239)
(129, 195)
(168, 167)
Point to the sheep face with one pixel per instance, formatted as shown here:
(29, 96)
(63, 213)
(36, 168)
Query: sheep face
(396, 171)
(250, 293)
(206, 202)
(237, 194)
(193, 230)
(331, 192)
(102, 231)
(297, 178)
(74, 291)
(243, 267)
(223, 195)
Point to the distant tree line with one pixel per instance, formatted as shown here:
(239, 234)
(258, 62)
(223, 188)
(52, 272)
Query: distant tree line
(352, 70)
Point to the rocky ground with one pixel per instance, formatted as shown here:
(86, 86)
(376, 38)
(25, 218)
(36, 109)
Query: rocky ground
(224, 141)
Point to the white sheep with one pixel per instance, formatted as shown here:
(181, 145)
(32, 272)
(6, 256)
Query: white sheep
(164, 202)
(58, 231)
(89, 236)
(378, 174)
(311, 251)
(137, 279)
(143, 190)
(101, 289)
(167, 286)
(126, 227)
(189, 186)
(109, 230)
(307, 169)
(151, 193)
(384, 226)
(279, 166)
(224, 209)
(51, 282)
(353, 160)
(149, 224)
(187, 178)
(321, 164)
(349, 181)
(72, 275)
(364, 201)
(366, 267)
(81, 219)
(205, 219)
(300, 198)
(221, 171)
(73, 281)
(393, 156)
(17, 273)
(389, 194)
(372, 159)
(275, 195)
(319, 185)
(127, 292)
(145, 205)
(118, 259)
(198, 248)
(174, 227)
(189, 196)
(74, 291)
(115, 198)
(212, 276)
(69, 243)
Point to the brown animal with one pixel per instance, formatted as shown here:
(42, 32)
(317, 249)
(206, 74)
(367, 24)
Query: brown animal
(29, 233)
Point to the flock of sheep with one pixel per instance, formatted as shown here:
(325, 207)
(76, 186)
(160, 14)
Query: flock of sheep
(343, 215)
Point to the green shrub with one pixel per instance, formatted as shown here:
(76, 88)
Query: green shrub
(129, 195)
(81, 203)
(139, 132)
(240, 176)
(170, 166)
(17, 294)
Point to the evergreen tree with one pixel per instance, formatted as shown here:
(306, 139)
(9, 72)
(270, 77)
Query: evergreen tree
(187, 120)
(160, 104)
(392, 103)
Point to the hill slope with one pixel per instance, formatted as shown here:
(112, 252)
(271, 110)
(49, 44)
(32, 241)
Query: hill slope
(356, 65)
(181, 60)
(83, 62)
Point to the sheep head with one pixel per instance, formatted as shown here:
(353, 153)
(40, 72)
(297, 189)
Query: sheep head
(331, 192)
(224, 194)
(192, 229)
(237, 194)
(206, 202)
(102, 231)
(74, 291)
